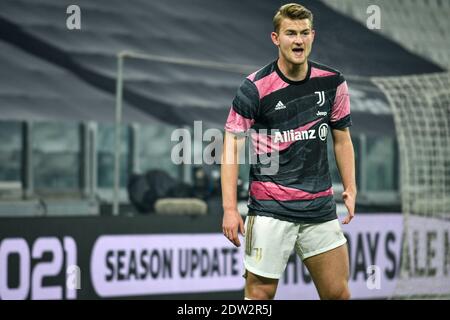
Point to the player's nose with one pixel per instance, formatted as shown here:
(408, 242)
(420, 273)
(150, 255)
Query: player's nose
(298, 40)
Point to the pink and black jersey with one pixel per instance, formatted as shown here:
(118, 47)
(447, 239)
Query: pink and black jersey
(291, 117)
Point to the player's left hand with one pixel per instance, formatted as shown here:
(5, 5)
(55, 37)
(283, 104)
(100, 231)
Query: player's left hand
(349, 201)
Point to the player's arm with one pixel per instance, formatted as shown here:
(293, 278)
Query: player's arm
(240, 119)
(232, 220)
(345, 160)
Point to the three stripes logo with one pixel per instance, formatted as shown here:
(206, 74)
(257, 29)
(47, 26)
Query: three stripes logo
(249, 239)
(280, 106)
(258, 255)
(321, 95)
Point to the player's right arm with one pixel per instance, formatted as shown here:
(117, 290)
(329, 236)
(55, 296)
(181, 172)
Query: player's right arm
(232, 220)
(240, 119)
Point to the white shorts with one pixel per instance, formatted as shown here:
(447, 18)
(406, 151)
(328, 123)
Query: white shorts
(269, 242)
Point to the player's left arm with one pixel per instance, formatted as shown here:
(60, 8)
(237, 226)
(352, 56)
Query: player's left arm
(345, 160)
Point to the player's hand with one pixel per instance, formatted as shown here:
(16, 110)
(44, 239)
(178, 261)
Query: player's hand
(349, 201)
(232, 221)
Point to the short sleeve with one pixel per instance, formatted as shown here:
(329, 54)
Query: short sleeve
(244, 108)
(340, 113)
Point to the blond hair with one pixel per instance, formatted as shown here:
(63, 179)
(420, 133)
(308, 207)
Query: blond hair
(293, 11)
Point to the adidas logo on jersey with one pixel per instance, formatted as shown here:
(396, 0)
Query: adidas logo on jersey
(280, 106)
(291, 135)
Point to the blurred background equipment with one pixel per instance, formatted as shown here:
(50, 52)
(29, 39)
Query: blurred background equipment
(202, 183)
(421, 108)
(181, 206)
(146, 189)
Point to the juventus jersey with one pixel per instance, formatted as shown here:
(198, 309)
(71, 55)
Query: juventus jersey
(291, 119)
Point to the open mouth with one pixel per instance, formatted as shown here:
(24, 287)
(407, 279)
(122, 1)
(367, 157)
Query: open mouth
(298, 50)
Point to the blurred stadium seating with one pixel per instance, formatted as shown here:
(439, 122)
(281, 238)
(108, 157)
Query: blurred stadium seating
(420, 26)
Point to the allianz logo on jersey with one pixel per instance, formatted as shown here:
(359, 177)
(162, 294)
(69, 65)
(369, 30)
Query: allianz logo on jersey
(291, 135)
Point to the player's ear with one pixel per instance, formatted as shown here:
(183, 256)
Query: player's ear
(274, 37)
(313, 33)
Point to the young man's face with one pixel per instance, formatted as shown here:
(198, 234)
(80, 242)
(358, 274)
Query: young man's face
(294, 40)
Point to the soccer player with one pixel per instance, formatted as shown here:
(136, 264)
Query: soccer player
(295, 100)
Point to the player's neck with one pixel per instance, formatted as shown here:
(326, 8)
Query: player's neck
(294, 72)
